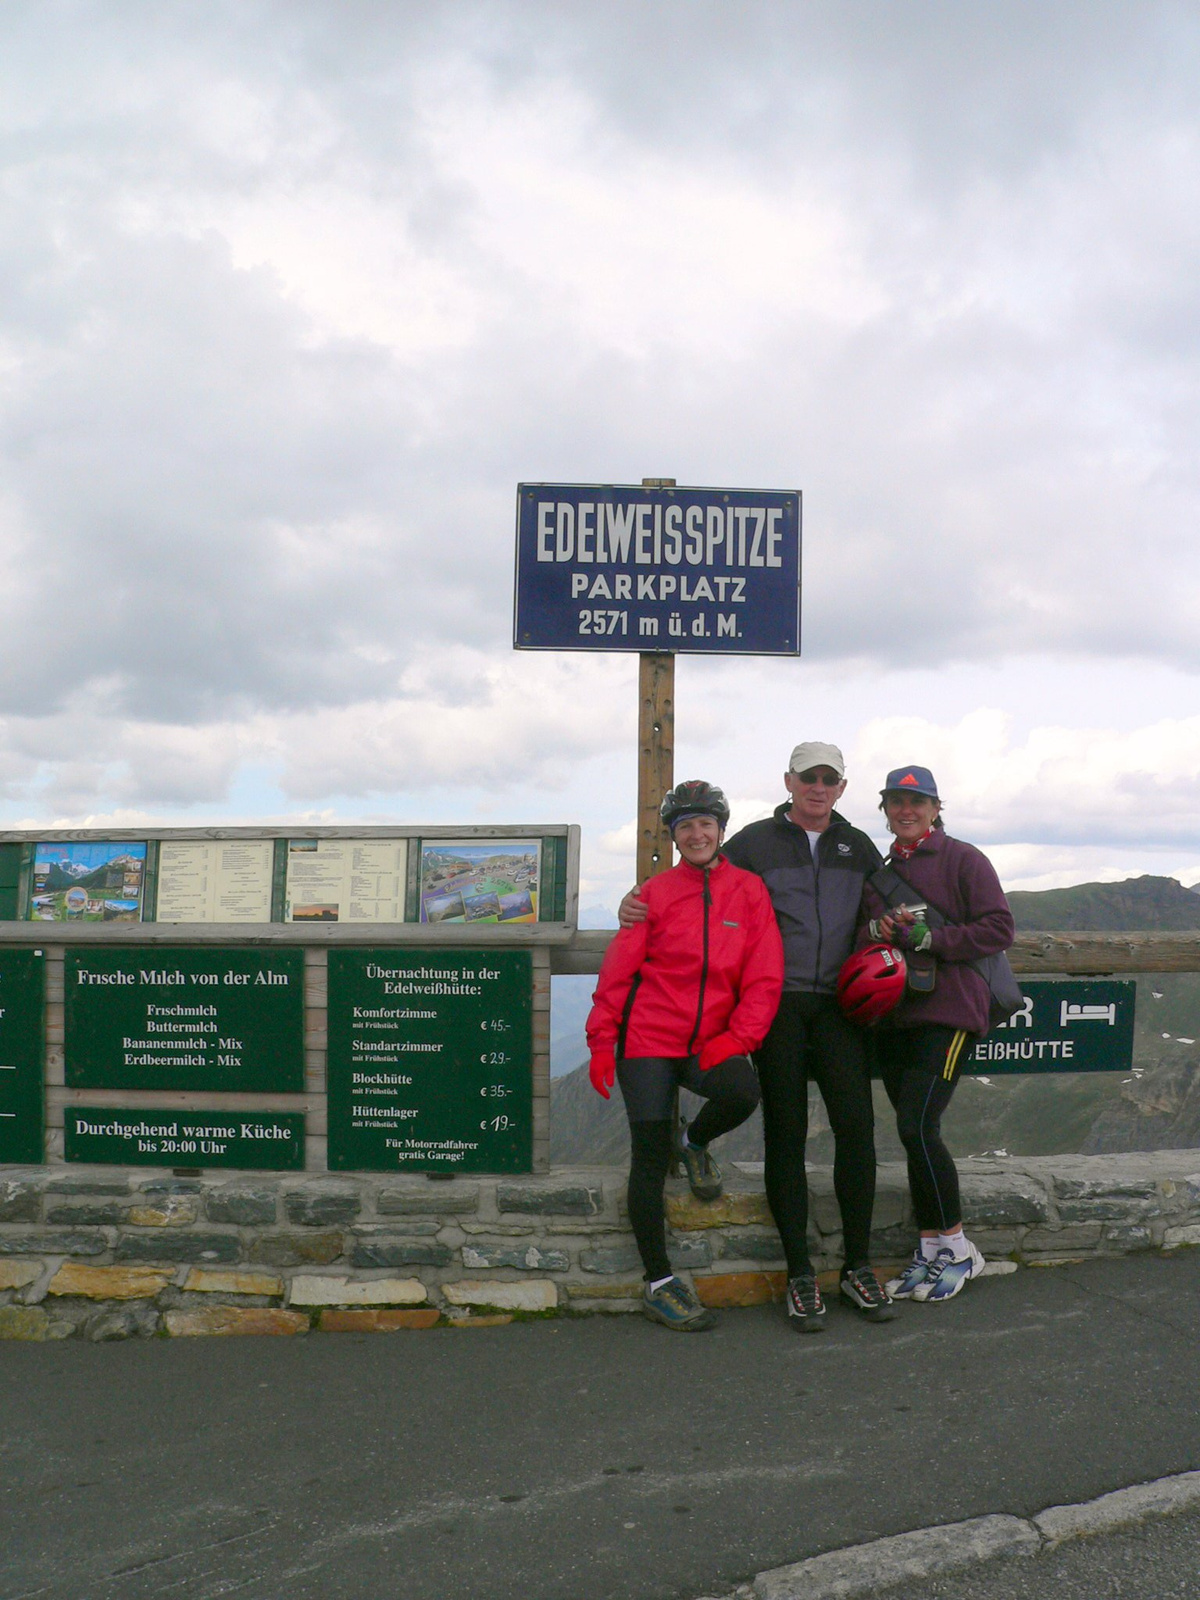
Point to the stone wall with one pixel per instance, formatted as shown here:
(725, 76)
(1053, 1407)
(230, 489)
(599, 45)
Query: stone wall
(109, 1253)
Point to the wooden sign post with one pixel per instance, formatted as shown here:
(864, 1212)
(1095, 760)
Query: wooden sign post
(656, 746)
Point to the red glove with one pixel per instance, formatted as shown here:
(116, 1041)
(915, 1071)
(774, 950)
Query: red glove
(602, 1070)
(720, 1049)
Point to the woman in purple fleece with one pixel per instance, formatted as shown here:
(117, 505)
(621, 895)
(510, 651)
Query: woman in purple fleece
(921, 1044)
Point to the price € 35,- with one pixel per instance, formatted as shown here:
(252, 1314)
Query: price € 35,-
(499, 1124)
(495, 1091)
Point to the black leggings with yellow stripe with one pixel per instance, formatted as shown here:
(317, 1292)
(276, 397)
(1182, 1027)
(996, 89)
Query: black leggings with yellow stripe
(920, 1068)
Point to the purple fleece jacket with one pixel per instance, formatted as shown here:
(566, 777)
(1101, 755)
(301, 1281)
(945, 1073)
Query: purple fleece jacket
(962, 883)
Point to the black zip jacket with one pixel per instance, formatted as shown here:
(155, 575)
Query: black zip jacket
(816, 903)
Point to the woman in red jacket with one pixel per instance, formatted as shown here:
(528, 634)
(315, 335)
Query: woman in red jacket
(683, 998)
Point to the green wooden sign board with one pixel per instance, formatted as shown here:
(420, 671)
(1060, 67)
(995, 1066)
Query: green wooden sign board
(21, 998)
(180, 1018)
(155, 1138)
(430, 1061)
(1067, 1025)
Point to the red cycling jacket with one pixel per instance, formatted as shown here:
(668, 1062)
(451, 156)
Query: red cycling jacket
(707, 960)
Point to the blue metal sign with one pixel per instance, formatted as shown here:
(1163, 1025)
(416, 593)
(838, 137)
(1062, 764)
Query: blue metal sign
(619, 567)
(1065, 1025)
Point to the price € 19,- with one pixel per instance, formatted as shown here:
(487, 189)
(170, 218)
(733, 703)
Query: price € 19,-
(500, 1124)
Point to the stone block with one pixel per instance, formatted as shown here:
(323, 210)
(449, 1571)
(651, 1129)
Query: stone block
(1104, 1187)
(325, 1290)
(296, 1249)
(1129, 1236)
(468, 1319)
(378, 1321)
(606, 1305)
(108, 1283)
(222, 1320)
(534, 1294)
(1109, 1208)
(508, 1230)
(88, 1186)
(169, 1211)
(626, 1289)
(96, 1214)
(438, 1200)
(241, 1204)
(623, 1256)
(1186, 1234)
(736, 1209)
(20, 1200)
(740, 1288)
(565, 1200)
(121, 1322)
(19, 1274)
(527, 1258)
(1002, 1201)
(207, 1280)
(170, 1246)
(993, 1241)
(24, 1322)
(321, 1208)
(747, 1246)
(52, 1242)
(414, 1228)
(1079, 1236)
(400, 1253)
(157, 1187)
(893, 1204)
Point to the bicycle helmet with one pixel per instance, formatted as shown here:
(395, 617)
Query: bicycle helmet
(871, 983)
(695, 798)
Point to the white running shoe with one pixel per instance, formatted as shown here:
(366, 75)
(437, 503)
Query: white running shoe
(948, 1275)
(911, 1279)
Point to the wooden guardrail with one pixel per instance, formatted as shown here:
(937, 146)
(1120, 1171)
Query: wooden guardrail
(1075, 954)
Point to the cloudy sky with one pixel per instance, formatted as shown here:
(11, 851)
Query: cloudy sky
(294, 294)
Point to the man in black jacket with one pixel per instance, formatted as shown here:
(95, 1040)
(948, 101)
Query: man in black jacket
(814, 865)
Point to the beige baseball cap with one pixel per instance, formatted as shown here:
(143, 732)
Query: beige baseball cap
(814, 754)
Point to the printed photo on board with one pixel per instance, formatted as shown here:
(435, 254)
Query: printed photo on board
(87, 882)
(472, 882)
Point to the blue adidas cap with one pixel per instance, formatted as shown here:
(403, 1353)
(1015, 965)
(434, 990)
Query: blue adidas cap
(911, 780)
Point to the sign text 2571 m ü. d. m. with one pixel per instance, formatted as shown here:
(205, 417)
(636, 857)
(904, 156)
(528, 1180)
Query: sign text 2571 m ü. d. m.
(619, 567)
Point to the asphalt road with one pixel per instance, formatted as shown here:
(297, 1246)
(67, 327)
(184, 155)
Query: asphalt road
(576, 1460)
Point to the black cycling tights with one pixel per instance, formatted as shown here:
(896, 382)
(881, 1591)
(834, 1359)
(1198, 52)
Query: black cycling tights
(811, 1039)
(732, 1091)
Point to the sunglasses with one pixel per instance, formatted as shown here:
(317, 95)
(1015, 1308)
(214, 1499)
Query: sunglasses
(830, 780)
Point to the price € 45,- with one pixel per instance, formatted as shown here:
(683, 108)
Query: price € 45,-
(499, 1124)
(496, 1025)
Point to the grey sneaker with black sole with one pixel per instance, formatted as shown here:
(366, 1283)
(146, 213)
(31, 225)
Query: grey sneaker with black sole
(675, 1306)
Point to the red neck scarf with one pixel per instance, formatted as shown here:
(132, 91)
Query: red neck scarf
(901, 851)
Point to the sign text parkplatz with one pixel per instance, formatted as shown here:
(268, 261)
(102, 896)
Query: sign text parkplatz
(624, 567)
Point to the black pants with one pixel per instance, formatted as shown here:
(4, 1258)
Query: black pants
(920, 1071)
(731, 1092)
(810, 1039)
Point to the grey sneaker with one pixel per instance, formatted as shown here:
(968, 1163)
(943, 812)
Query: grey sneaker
(865, 1293)
(806, 1309)
(675, 1306)
(703, 1173)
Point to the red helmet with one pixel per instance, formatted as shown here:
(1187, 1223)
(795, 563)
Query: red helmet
(871, 983)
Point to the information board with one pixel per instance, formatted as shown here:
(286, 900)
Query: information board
(188, 1018)
(430, 1060)
(87, 880)
(1066, 1025)
(215, 880)
(465, 881)
(346, 880)
(621, 567)
(155, 1138)
(21, 1000)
